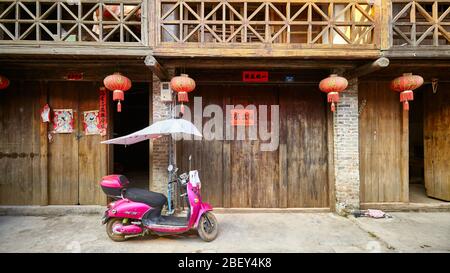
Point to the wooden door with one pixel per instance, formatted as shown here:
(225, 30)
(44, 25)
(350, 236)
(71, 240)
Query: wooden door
(76, 161)
(254, 173)
(437, 142)
(20, 154)
(304, 130)
(92, 156)
(63, 149)
(380, 145)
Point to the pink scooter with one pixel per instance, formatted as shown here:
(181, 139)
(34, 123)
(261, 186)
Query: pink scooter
(137, 212)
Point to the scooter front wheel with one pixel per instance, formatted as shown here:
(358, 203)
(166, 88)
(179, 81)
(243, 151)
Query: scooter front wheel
(110, 230)
(208, 227)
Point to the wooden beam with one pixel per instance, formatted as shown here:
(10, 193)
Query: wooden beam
(254, 63)
(367, 68)
(338, 52)
(156, 68)
(442, 52)
(54, 49)
(59, 71)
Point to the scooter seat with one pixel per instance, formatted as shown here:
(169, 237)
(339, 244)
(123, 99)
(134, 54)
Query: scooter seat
(150, 198)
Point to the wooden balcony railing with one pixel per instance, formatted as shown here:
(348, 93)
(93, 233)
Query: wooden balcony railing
(74, 22)
(273, 23)
(420, 24)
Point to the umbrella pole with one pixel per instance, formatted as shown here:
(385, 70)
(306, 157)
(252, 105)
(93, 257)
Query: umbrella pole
(169, 185)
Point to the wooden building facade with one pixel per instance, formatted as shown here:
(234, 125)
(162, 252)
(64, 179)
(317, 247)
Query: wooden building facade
(369, 153)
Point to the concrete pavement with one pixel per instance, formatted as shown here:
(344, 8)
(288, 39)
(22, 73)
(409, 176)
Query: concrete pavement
(246, 232)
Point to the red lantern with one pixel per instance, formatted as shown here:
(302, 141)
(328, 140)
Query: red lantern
(405, 85)
(332, 86)
(118, 84)
(4, 82)
(182, 85)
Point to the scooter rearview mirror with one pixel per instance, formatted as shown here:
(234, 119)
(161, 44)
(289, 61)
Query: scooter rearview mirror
(170, 168)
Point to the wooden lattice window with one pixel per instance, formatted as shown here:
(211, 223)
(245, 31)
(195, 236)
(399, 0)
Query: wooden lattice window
(98, 21)
(275, 22)
(420, 23)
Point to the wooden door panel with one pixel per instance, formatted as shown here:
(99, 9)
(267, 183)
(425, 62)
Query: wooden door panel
(63, 150)
(92, 155)
(380, 144)
(254, 173)
(206, 154)
(437, 142)
(306, 142)
(20, 182)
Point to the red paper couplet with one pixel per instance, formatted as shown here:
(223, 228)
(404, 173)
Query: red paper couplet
(102, 115)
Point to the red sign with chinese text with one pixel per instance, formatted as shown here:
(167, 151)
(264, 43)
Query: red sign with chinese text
(242, 117)
(255, 76)
(74, 76)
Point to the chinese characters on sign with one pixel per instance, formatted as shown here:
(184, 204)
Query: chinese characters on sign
(102, 121)
(242, 117)
(255, 76)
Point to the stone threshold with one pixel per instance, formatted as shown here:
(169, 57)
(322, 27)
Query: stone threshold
(271, 210)
(406, 207)
(61, 210)
(51, 210)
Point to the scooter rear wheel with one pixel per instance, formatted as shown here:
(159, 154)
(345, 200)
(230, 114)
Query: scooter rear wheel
(208, 227)
(110, 230)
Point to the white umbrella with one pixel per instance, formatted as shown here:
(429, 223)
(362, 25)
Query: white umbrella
(157, 129)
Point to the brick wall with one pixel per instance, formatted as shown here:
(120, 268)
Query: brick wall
(346, 150)
(159, 148)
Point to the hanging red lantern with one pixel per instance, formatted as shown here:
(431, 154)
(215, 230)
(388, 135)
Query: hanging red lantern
(182, 85)
(332, 86)
(4, 82)
(405, 85)
(118, 84)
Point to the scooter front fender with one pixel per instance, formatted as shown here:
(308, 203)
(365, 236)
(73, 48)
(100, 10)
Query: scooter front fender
(204, 207)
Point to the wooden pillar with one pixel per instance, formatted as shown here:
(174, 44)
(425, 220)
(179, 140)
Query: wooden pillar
(404, 164)
(330, 165)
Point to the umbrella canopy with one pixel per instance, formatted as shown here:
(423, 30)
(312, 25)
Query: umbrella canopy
(157, 129)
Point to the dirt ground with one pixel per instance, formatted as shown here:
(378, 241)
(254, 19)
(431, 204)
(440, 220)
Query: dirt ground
(246, 232)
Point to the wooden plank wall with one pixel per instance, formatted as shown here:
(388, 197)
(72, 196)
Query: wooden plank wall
(383, 140)
(20, 145)
(36, 172)
(237, 174)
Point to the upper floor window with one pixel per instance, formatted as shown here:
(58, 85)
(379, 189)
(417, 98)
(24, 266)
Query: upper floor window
(276, 22)
(420, 23)
(72, 21)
